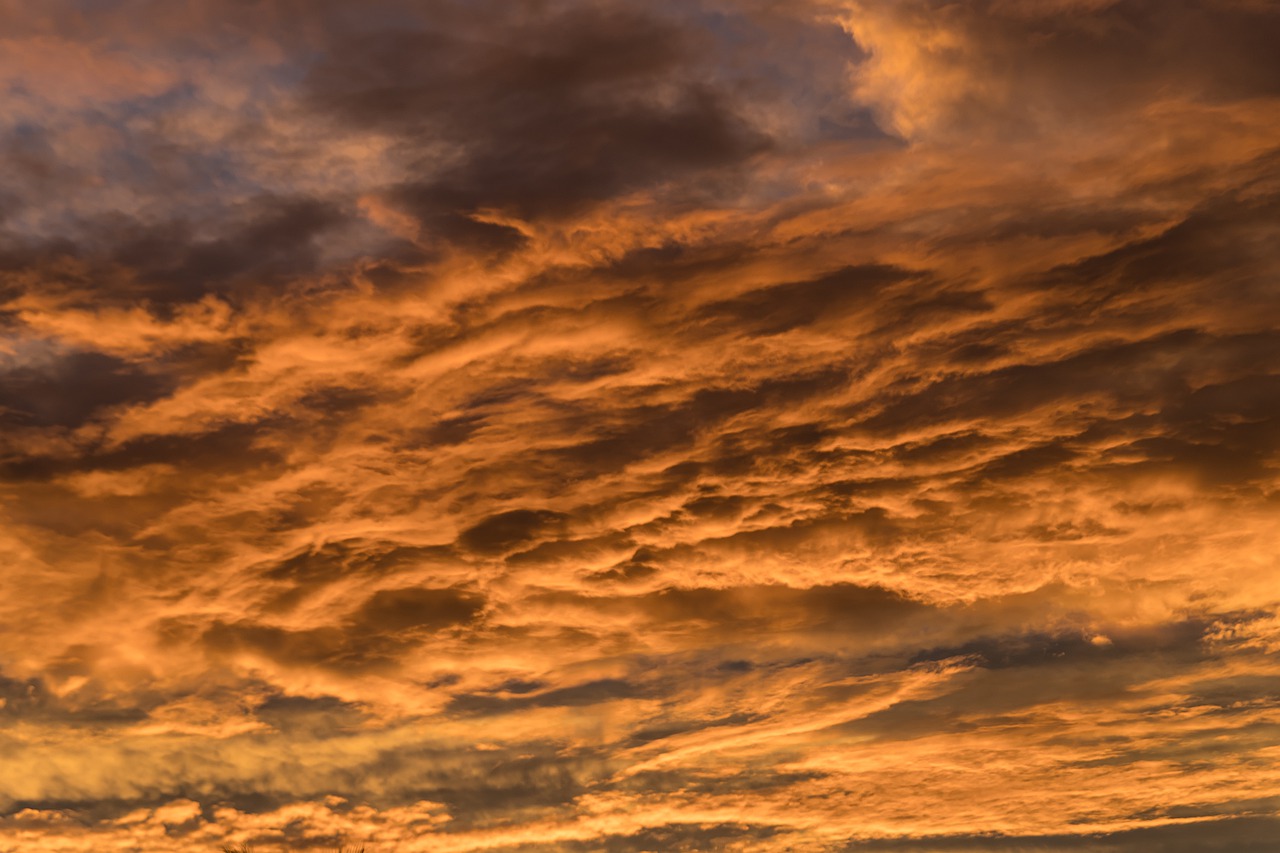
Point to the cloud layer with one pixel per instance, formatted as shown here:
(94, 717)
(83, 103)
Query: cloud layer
(614, 426)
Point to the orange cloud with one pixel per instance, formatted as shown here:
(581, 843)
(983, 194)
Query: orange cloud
(690, 427)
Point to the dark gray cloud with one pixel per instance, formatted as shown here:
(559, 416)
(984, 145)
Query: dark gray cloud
(1251, 834)
(508, 530)
(72, 388)
(416, 608)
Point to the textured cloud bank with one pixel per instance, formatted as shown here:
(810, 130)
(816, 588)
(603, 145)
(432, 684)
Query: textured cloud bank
(587, 426)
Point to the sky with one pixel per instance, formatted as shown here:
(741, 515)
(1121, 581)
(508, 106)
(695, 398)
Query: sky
(680, 425)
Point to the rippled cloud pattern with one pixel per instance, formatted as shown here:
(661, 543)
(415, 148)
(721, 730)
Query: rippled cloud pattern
(691, 425)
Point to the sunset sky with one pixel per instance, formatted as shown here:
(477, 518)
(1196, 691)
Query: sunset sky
(652, 425)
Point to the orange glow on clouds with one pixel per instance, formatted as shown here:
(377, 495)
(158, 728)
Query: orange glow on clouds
(590, 426)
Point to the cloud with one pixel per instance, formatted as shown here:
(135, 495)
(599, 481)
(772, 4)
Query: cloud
(712, 425)
(1014, 66)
